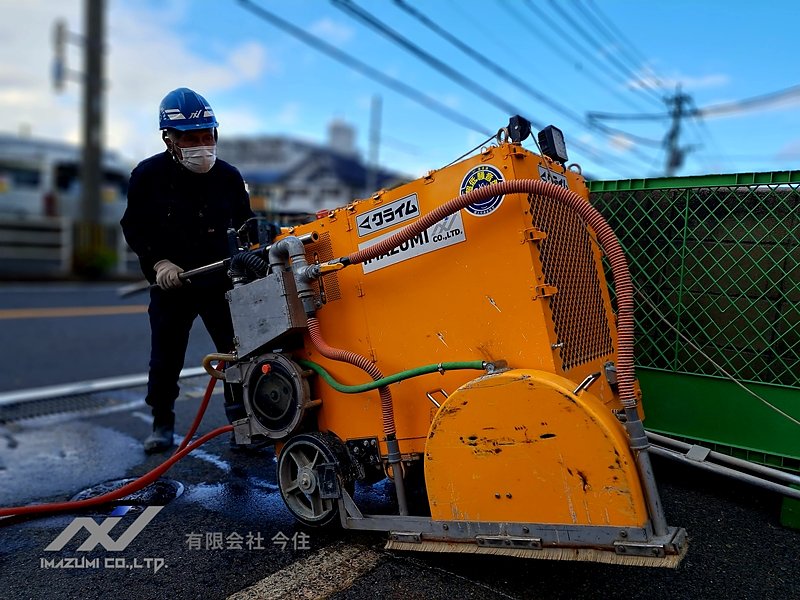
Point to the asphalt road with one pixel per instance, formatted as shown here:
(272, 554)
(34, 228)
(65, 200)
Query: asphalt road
(229, 530)
(51, 341)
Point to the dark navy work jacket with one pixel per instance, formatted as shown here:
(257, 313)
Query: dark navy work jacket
(182, 216)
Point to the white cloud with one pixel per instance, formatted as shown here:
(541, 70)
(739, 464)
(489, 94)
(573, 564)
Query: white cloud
(620, 142)
(240, 120)
(331, 31)
(250, 61)
(450, 100)
(790, 151)
(646, 79)
(145, 59)
(288, 115)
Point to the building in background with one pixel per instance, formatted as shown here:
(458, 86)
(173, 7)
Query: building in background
(290, 180)
(40, 193)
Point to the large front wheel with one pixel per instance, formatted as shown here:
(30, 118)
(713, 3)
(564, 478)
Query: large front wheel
(310, 473)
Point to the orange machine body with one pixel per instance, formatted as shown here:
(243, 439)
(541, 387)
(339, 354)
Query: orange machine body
(516, 279)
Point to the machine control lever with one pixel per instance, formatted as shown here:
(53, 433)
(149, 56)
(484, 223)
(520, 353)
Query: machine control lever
(590, 379)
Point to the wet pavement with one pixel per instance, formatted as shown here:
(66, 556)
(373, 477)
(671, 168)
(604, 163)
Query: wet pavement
(229, 529)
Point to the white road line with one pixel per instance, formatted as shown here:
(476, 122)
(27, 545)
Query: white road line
(319, 575)
(85, 387)
(200, 454)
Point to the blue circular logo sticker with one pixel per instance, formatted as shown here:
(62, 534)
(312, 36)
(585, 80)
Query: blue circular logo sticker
(478, 177)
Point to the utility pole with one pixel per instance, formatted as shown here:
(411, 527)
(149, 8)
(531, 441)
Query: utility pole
(90, 242)
(675, 152)
(91, 253)
(374, 144)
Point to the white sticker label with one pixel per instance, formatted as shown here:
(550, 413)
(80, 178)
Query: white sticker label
(386, 216)
(446, 232)
(553, 177)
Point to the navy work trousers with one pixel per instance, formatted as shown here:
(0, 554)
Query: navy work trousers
(172, 313)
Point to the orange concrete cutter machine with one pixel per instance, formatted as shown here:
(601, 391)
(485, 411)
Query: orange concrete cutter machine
(454, 336)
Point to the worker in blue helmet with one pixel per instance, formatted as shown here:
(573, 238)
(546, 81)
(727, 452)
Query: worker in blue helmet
(181, 203)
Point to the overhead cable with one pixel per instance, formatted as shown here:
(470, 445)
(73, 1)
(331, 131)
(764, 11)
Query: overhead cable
(508, 76)
(575, 44)
(564, 52)
(379, 26)
(736, 106)
(627, 49)
(623, 69)
(363, 68)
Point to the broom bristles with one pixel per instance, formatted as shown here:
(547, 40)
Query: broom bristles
(671, 561)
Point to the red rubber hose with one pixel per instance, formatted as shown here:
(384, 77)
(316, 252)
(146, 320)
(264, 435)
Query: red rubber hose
(605, 235)
(387, 405)
(202, 410)
(143, 481)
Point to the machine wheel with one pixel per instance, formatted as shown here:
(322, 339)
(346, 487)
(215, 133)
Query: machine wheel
(311, 467)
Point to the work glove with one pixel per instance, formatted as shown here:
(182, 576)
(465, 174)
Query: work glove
(167, 274)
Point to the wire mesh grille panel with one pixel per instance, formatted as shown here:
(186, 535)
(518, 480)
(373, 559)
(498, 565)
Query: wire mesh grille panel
(722, 264)
(579, 316)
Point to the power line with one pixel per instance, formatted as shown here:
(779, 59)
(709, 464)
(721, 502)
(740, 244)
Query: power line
(624, 70)
(631, 136)
(562, 52)
(613, 34)
(512, 49)
(610, 38)
(763, 100)
(569, 39)
(363, 68)
(379, 26)
(736, 106)
(503, 73)
(373, 22)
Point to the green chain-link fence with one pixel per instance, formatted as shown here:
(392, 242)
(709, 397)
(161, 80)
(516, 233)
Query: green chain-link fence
(718, 258)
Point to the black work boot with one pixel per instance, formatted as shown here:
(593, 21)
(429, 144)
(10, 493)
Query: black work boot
(160, 440)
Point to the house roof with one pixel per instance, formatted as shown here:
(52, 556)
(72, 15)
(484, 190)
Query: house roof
(302, 160)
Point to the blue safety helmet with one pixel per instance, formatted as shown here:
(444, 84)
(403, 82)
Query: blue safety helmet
(184, 109)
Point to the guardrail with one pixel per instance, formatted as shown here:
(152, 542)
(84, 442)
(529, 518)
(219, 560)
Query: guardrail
(35, 246)
(44, 247)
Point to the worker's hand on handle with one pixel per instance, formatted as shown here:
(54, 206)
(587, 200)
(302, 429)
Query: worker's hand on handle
(167, 275)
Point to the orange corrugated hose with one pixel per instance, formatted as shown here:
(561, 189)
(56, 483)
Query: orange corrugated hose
(387, 406)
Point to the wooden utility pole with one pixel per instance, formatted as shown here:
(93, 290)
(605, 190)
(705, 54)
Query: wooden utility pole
(90, 243)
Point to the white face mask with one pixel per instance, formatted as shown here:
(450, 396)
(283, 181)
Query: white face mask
(199, 159)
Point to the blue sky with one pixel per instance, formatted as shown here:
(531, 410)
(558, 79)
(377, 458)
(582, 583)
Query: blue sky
(262, 81)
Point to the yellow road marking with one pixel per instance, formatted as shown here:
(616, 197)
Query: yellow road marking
(71, 311)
